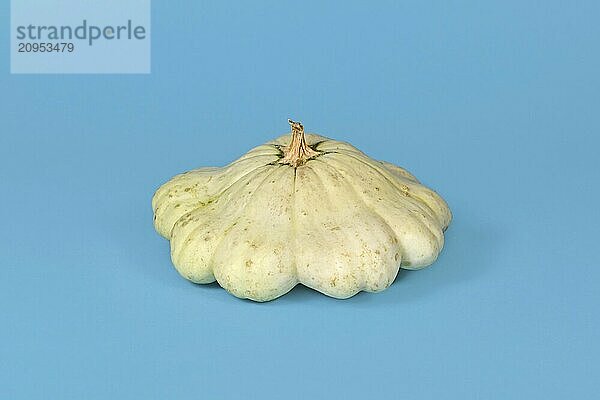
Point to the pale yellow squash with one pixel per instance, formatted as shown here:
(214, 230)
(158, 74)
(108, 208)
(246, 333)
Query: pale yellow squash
(300, 209)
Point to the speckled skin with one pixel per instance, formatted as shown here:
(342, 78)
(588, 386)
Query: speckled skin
(339, 223)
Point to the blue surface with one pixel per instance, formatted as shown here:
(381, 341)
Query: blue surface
(493, 104)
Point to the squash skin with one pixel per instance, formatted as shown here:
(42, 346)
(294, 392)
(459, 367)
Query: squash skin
(339, 223)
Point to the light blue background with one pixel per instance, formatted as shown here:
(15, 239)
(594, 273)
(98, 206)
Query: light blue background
(493, 104)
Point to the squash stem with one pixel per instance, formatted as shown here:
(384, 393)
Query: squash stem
(297, 152)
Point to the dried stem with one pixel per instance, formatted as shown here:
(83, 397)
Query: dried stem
(297, 152)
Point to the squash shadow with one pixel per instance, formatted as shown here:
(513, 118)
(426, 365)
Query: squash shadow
(467, 255)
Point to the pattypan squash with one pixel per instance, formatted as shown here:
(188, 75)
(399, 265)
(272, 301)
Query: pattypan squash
(300, 209)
